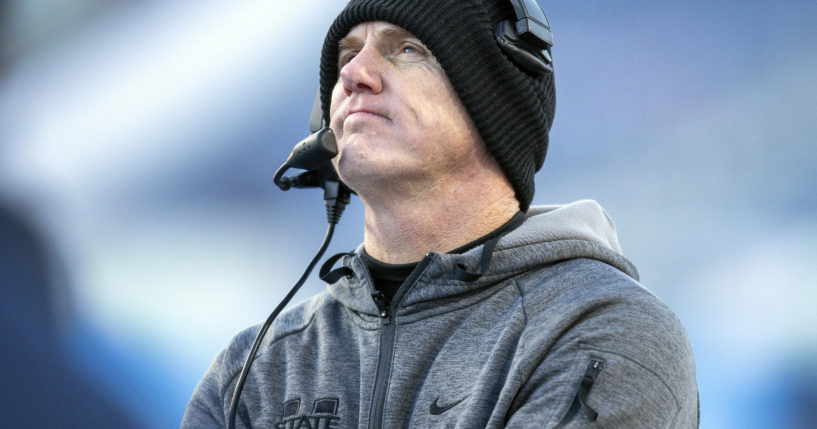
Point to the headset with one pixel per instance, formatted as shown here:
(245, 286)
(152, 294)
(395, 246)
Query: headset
(526, 41)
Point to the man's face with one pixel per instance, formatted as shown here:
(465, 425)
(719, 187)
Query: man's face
(394, 113)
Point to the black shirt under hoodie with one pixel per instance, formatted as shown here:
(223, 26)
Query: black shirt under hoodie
(389, 277)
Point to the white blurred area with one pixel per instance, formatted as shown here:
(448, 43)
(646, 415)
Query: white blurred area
(97, 124)
(140, 139)
(110, 117)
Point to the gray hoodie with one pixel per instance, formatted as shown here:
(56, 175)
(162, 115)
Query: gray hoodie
(557, 333)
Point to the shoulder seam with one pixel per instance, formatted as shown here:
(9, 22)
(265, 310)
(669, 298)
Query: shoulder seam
(525, 315)
(272, 341)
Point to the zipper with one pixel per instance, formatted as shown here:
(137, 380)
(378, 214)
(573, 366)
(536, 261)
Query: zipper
(382, 375)
(386, 352)
(580, 399)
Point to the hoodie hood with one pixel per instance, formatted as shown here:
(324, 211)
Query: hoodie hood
(554, 233)
(550, 234)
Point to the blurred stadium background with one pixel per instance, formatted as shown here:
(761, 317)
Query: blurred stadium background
(140, 229)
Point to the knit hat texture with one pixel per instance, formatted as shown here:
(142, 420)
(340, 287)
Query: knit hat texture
(512, 110)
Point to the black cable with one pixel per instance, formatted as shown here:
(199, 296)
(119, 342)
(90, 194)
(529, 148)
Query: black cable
(258, 338)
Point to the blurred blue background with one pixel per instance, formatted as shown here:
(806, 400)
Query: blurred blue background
(140, 229)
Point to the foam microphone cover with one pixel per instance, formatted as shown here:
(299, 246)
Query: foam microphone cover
(313, 151)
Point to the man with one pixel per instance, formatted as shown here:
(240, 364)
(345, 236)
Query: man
(464, 306)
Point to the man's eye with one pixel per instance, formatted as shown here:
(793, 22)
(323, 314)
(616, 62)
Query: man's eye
(409, 49)
(344, 59)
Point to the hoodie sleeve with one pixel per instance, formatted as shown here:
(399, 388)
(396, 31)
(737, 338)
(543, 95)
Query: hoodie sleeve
(209, 406)
(622, 359)
(205, 407)
(601, 389)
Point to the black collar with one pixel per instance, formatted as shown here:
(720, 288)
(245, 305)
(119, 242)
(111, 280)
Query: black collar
(388, 277)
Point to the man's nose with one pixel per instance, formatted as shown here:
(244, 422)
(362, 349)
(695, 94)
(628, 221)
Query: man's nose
(363, 73)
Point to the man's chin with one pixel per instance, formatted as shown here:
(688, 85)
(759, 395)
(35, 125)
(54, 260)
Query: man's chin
(365, 171)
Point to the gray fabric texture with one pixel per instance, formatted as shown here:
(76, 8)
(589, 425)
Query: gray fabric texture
(510, 349)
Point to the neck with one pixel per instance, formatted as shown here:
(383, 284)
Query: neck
(439, 219)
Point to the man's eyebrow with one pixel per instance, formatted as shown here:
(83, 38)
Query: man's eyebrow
(353, 42)
(349, 43)
(396, 33)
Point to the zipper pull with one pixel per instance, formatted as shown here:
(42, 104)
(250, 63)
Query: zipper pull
(580, 398)
(382, 307)
(590, 375)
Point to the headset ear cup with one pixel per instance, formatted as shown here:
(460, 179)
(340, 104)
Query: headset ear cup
(528, 57)
(316, 122)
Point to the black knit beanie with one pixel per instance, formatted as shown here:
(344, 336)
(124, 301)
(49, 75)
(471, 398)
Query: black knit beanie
(512, 110)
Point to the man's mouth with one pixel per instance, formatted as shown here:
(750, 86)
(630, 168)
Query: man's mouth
(367, 112)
